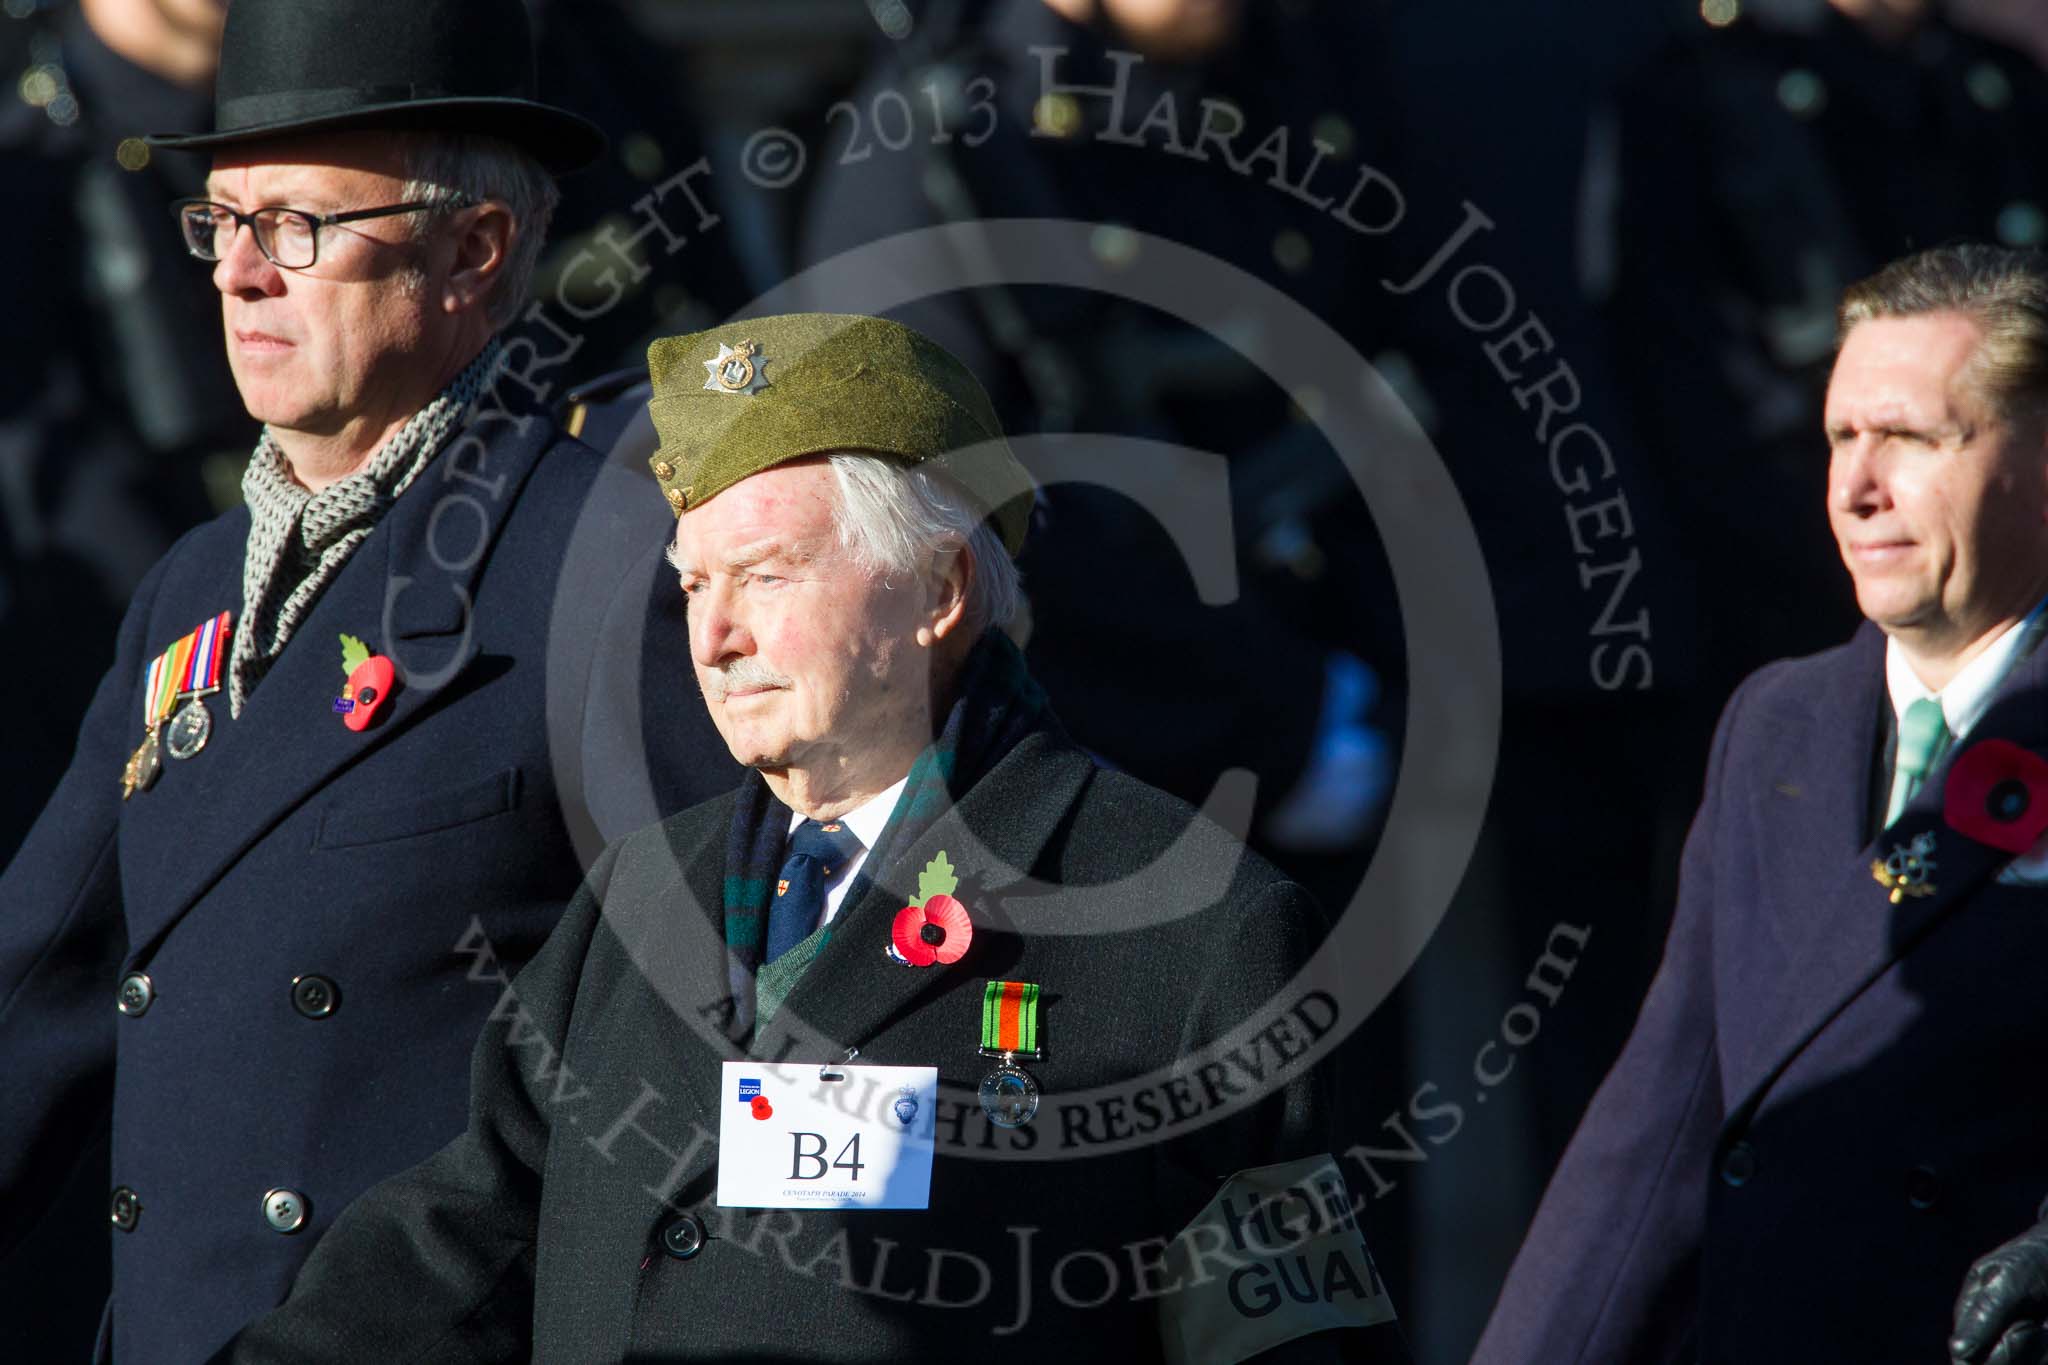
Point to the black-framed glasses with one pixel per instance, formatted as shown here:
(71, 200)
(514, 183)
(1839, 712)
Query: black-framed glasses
(288, 238)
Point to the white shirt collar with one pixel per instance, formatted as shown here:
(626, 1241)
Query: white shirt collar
(1968, 694)
(868, 819)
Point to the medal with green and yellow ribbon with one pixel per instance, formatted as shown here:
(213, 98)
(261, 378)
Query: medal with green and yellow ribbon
(1009, 1030)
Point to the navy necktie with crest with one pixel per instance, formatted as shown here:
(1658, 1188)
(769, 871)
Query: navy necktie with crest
(817, 852)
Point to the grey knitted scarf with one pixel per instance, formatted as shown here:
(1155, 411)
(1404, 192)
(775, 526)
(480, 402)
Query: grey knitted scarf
(298, 540)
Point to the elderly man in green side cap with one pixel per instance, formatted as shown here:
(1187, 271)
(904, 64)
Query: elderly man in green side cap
(933, 1037)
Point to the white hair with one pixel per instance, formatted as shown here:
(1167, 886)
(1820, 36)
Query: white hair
(892, 518)
(467, 168)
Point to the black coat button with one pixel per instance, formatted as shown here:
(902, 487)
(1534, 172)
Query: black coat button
(124, 1210)
(684, 1237)
(1739, 1165)
(135, 995)
(285, 1210)
(1923, 1188)
(315, 996)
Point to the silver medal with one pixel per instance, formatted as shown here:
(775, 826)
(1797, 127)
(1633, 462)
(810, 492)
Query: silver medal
(189, 729)
(1009, 1096)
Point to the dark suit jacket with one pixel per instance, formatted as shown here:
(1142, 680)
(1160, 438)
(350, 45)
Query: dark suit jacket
(595, 1109)
(1822, 1115)
(292, 846)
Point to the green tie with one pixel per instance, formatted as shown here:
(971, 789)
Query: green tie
(1923, 735)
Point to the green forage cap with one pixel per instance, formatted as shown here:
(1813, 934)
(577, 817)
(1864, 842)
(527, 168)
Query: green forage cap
(751, 395)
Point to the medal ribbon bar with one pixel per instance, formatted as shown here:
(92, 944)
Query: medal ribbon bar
(1009, 1019)
(181, 664)
(210, 646)
(152, 682)
(191, 667)
(161, 687)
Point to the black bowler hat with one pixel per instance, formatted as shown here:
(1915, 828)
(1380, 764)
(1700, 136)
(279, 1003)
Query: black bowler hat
(293, 66)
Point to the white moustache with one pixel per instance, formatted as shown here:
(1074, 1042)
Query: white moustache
(741, 674)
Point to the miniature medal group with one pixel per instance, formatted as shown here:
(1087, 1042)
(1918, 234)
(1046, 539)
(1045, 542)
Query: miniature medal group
(174, 715)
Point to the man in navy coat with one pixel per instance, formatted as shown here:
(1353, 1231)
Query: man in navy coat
(318, 809)
(1814, 1126)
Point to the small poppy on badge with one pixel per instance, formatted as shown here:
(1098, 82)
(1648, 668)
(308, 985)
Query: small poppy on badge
(371, 680)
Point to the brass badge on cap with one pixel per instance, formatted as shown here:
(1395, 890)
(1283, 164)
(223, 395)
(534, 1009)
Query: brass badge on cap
(737, 370)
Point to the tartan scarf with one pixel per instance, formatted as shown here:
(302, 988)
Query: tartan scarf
(998, 705)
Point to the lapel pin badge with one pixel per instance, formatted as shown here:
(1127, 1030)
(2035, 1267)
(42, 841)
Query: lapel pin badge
(1908, 870)
(371, 680)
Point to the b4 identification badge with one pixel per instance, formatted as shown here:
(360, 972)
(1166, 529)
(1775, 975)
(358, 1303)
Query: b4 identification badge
(845, 1137)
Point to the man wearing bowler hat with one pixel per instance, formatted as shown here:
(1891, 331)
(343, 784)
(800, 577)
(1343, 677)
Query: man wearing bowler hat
(317, 810)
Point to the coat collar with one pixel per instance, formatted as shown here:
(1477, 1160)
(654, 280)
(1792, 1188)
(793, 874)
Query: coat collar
(994, 837)
(851, 993)
(409, 592)
(1851, 933)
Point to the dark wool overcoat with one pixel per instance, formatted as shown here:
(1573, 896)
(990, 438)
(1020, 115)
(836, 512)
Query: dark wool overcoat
(577, 1218)
(291, 921)
(1825, 1112)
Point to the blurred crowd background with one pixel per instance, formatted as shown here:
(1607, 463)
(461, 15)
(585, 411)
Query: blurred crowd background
(1677, 193)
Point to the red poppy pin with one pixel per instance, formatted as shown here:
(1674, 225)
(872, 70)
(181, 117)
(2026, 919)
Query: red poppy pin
(763, 1109)
(934, 927)
(1997, 794)
(371, 678)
